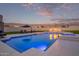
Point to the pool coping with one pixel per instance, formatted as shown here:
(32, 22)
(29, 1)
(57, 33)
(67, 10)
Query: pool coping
(54, 50)
(24, 36)
(17, 35)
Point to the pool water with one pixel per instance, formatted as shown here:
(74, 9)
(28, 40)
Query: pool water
(26, 42)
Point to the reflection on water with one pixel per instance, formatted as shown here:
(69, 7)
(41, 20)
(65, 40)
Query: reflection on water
(42, 47)
(54, 36)
(50, 36)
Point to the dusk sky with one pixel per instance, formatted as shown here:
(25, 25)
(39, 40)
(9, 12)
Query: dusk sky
(38, 13)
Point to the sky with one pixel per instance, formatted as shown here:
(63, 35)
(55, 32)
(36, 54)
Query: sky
(38, 13)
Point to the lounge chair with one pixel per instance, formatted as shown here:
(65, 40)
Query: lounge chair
(2, 34)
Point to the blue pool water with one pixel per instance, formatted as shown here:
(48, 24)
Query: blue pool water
(23, 43)
(38, 41)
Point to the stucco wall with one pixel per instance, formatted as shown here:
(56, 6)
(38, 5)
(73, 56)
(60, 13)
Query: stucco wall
(71, 28)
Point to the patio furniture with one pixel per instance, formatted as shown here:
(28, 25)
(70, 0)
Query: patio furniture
(2, 34)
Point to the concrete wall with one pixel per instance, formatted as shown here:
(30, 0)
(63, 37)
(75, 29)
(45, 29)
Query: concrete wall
(71, 28)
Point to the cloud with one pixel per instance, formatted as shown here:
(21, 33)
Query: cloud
(66, 6)
(40, 10)
(27, 4)
(44, 12)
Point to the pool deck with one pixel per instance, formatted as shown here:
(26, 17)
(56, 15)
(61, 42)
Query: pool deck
(65, 46)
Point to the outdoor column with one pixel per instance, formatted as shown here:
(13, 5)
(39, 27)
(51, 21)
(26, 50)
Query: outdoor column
(1, 26)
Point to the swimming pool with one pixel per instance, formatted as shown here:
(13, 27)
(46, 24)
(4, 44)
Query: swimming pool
(24, 43)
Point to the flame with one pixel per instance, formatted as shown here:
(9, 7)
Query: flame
(54, 36)
(55, 30)
(50, 30)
